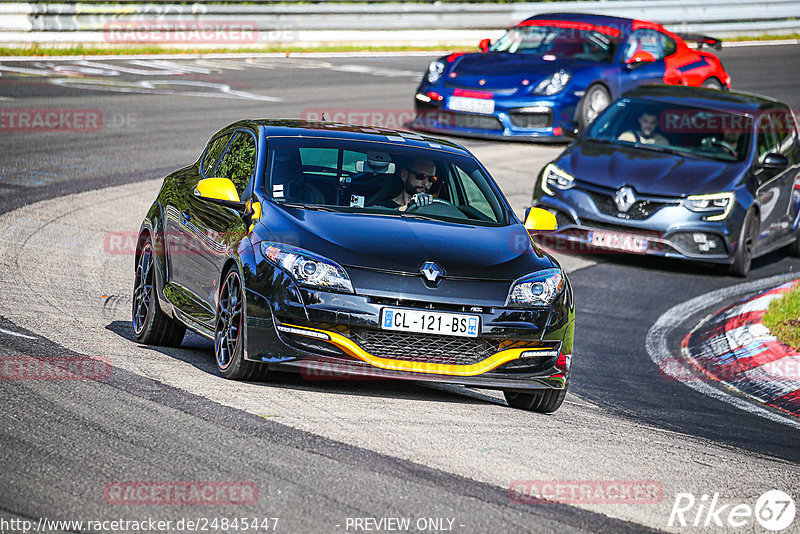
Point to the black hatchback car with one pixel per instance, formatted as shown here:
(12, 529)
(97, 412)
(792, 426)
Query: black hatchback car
(680, 172)
(341, 251)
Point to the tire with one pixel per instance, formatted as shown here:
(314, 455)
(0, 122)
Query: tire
(713, 83)
(547, 401)
(594, 101)
(151, 326)
(229, 331)
(744, 248)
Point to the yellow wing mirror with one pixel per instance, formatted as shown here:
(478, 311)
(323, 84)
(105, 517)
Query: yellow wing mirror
(539, 220)
(219, 191)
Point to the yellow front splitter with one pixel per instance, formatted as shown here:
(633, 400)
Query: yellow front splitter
(352, 349)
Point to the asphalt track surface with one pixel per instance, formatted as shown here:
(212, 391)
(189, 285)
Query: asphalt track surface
(322, 452)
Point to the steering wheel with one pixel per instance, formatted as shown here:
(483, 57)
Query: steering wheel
(415, 207)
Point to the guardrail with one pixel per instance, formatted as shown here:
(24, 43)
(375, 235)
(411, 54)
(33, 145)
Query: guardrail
(365, 23)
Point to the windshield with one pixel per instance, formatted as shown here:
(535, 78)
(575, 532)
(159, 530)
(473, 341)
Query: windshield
(557, 42)
(670, 127)
(380, 178)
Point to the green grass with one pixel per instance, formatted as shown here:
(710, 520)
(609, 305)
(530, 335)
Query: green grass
(37, 50)
(783, 318)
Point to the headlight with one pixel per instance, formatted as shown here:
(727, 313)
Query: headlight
(435, 70)
(537, 289)
(553, 84)
(307, 268)
(555, 178)
(719, 205)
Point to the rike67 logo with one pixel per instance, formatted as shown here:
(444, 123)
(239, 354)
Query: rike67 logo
(774, 511)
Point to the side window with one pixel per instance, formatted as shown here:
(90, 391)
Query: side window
(765, 137)
(239, 161)
(668, 45)
(475, 197)
(785, 130)
(213, 152)
(647, 40)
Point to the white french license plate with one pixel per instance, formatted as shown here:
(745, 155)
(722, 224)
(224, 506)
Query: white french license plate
(625, 242)
(430, 322)
(473, 105)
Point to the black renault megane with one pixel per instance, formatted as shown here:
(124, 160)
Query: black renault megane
(681, 172)
(363, 251)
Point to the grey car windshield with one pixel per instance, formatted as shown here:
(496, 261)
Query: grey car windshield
(362, 177)
(670, 127)
(570, 43)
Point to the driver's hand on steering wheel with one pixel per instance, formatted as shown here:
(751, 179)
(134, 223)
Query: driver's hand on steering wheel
(421, 199)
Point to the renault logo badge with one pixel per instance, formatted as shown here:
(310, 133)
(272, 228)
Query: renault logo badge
(624, 199)
(431, 272)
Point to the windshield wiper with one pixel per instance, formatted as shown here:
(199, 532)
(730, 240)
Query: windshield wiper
(314, 207)
(665, 149)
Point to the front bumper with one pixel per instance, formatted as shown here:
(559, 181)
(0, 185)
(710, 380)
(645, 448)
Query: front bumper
(532, 117)
(659, 227)
(337, 337)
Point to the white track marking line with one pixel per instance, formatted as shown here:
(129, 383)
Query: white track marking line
(11, 333)
(658, 349)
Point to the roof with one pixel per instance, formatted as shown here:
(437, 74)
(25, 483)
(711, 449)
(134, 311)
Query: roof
(733, 101)
(303, 128)
(618, 23)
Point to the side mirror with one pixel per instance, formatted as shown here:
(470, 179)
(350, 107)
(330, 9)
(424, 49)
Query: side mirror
(773, 160)
(642, 56)
(571, 129)
(539, 220)
(219, 191)
(484, 45)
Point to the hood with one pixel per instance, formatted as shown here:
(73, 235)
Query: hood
(401, 244)
(502, 70)
(648, 172)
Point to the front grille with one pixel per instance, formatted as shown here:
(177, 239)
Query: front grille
(640, 210)
(470, 120)
(425, 305)
(532, 120)
(426, 348)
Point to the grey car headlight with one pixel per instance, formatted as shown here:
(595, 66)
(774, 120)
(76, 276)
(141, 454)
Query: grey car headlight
(537, 289)
(717, 205)
(307, 268)
(435, 70)
(555, 83)
(555, 178)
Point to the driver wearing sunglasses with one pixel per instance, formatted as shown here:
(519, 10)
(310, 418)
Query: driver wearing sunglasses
(417, 181)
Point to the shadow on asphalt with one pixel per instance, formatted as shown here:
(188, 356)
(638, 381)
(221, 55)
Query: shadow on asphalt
(198, 352)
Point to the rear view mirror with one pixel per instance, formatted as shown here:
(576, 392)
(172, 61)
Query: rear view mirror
(571, 129)
(220, 191)
(773, 160)
(641, 56)
(539, 220)
(484, 45)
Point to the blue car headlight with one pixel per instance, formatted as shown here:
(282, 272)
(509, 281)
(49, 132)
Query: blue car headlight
(555, 83)
(435, 70)
(716, 206)
(555, 178)
(536, 289)
(307, 268)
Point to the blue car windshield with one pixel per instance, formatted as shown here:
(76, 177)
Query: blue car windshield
(363, 177)
(670, 127)
(557, 42)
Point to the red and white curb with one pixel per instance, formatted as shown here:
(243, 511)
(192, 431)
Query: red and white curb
(734, 348)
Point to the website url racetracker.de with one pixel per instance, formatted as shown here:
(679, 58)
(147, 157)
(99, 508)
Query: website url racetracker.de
(194, 524)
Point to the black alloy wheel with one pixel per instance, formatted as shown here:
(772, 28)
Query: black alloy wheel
(150, 324)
